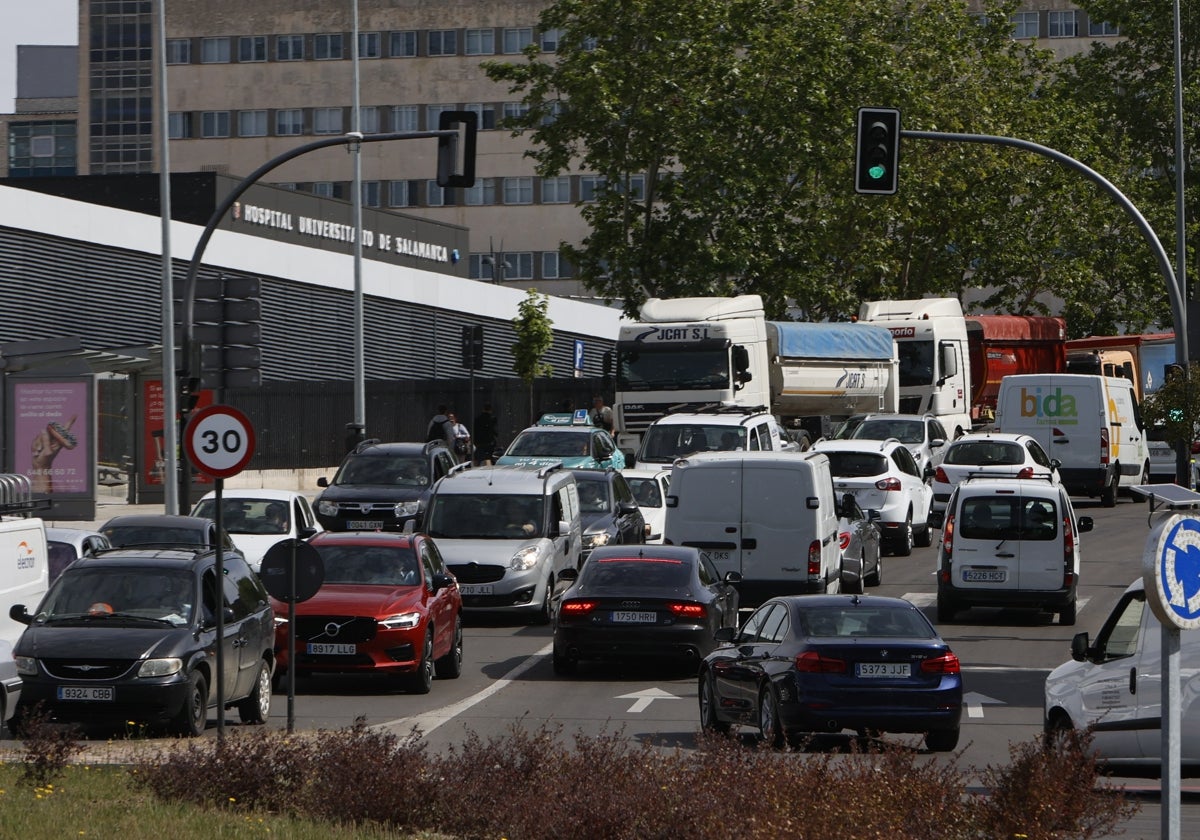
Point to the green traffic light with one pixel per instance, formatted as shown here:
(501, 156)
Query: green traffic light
(877, 171)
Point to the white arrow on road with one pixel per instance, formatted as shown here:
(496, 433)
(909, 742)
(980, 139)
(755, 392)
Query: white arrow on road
(975, 702)
(644, 698)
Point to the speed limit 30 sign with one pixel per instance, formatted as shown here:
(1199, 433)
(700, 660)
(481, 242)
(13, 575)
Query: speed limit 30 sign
(219, 441)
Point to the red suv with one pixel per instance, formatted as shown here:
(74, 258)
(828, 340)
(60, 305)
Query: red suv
(388, 605)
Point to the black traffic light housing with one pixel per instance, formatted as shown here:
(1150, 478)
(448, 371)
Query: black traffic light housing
(877, 151)
(456, 152)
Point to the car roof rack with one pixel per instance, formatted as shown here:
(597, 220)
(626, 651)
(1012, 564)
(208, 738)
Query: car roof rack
(460, 467)
(365, 445)
(545, 470)
(16, 496)
(715, 408)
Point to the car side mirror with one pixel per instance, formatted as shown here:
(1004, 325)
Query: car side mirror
(627, 508)
(306, 533)
(19, 614)
(1086, 524)
(568, 575)
(732, 577)
(725, 635)
(929, 471)
(1079, 647)
(441, 580)
(322, 482)
(937, 443)
(1055, 463)
(874, 515)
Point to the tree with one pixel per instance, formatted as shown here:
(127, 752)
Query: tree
(535, 337)
(1175, 406)
(721, 139)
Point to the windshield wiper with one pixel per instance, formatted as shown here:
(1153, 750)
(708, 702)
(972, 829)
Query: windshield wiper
(106, 615)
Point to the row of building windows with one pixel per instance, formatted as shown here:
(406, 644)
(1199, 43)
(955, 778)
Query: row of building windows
(41, 148)
(520, 265)
(519, 190)
(335, 46)
(1059, 24)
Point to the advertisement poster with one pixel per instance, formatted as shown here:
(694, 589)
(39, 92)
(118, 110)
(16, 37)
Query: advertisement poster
(153, 458)
(53, 446)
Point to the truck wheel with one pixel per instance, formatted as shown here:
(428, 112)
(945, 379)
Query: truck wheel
(1108, 496)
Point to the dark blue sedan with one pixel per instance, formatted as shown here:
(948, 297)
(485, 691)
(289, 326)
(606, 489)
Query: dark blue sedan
(824, 663)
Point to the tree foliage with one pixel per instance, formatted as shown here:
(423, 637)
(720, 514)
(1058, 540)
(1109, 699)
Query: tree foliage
(1175, 406)
(535, 337)
(724, 137)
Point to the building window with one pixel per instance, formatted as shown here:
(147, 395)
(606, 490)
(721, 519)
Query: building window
(252, 48)
(516, 40)
(480, 42)
(1025, 25)
(554, 267)
(515, 110)
(42, 148)
(179, 125)
(1062, 25)
(485, 113)
(327, 120)
(590, 187)
(252, 124)
(402, 44)
(289, 122)
(483, 193)
(518, 190)
(214, 50)
(433, 112)
(179, 51)
(443, 42)
(289, 47)
(636, 187)
(556, 190)
(328, 46)
(368, 119)
(550, 39)
(477, 269)
(404, 118)
(401, 194)
(324, 189)
(369, 45)
(371, 193)
(519, 265)
(552, 113)
(214, 124)
(1102, 29)
(436, 196)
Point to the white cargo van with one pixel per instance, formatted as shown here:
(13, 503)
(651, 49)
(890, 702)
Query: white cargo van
(24, 579)
(769, 515)
(1091, 424)
(1114, 685)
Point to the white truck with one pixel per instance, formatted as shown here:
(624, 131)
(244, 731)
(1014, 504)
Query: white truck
(686, 354)
(931, 344)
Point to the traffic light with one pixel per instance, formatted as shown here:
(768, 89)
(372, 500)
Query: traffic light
(1172, 370)
(877, 151)
(456, 153)
(472, 347)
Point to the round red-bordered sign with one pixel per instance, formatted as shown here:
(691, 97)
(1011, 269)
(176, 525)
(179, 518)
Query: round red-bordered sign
(219, 441)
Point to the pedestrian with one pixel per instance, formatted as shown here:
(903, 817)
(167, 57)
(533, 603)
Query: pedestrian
(440, 427)
(602, 415)
(462, 438)
(485, 436)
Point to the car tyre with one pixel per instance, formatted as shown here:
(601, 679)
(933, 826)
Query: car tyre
(709, 720)
(546, 612)
(421, 681)
(770, 726)
(1066, 616)
(563, 665)
(942, 740)
(193, 715)
(946, 610)
(449, 667)
(1108, 496)
(876, 577)
(923, 538)
(903, 544)
(16, 723)
(256, 707)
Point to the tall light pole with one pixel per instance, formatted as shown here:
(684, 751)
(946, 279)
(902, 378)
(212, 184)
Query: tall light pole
(359, 429)
(170, 428)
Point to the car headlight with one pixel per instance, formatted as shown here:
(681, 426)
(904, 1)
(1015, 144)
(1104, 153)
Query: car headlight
(404, 509)
(26, 665)
(524, 559)
(594, 540)
(403, 621)
(160, 667)
(327, 508)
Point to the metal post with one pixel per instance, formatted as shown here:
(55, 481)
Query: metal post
(220, 607)
(169, 391)
(360, 386)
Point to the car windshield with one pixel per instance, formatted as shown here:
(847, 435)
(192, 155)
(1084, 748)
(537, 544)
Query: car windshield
(485, 517)
(860, 620)
(664, 443)
(645, 491)
(387, 470)
(116, 592)
(543, 444)
(855, 464)
(983, 453)
(247, 516)
(372, 565)
(135, 535)
(639, 573)
(905, 431)
(595, 496)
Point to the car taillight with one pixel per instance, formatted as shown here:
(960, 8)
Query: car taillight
(814, 559)
(1026, 473)
(948, 536)
(687, 610)
(844, 540)
(947, 663)
(576, 608)
(1104, 446)
(940, 476)
(811, 662)
(1068, 551)
(890, 483)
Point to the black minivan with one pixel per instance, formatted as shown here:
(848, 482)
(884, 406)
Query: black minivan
(131, 635)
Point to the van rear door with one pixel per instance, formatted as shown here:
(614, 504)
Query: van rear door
(707, 513)
(986, 548)
(1040, 548)
(784, 514)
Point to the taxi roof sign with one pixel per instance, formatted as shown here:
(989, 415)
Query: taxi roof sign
(579, 417)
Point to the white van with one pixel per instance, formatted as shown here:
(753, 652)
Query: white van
(24, 579)
(1091, 424)
(1114, 685)
(1009, 542)
(769, 515)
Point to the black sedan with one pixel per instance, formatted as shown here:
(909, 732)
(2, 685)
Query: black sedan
(608, 511)
(643, 601)
(824, 663)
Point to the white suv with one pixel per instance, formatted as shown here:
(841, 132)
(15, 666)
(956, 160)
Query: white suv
(991, 454)
(719, 429)
(883, 476)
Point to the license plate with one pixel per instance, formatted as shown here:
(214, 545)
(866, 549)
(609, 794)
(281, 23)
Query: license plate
(626, 617)
(475, 589)
(323, 649)
(84, 692)
(363, 525)
(881, 670)
(984, 575)
(715, 556)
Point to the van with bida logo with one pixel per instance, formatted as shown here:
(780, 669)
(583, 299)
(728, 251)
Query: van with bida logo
(1091, 424)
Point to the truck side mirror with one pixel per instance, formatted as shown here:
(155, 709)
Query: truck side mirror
(949, 361)
(741, 365)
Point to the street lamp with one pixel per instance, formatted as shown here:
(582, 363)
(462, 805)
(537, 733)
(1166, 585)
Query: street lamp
(500, 268)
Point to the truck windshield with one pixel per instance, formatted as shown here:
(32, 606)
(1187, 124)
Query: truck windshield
(672, 370)
(916, 362)
(476, 517)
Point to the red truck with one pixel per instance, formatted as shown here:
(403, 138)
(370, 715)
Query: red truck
(1002, 344)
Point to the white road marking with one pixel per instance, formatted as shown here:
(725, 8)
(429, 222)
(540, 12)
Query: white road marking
(929, 599)
(645, 697)
(974, 701)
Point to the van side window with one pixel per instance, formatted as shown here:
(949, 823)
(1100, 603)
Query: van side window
(1119, 638)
